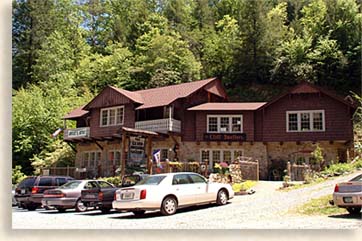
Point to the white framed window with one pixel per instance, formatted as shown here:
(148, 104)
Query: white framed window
(305, 121)
(91, 159)
(224, 123)
(112, 116)
(220, 155)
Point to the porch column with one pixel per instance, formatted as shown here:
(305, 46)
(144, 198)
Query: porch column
(170, 125)
(149, 154)
(123, 164)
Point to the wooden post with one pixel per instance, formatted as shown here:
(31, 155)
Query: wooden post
(149, 154)
(289, 170)
(123, 164)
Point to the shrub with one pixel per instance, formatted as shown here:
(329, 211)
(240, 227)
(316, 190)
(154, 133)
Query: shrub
(114, 180)
(338, 168)
(17, 175)
(237, 187)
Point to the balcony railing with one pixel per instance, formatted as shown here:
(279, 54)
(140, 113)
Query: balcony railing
(76, 133)
(161, 125)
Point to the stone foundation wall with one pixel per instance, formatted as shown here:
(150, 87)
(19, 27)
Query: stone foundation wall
(256, 150)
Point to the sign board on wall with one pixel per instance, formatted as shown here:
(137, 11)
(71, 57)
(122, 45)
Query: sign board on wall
(136, 150)
(224, 137)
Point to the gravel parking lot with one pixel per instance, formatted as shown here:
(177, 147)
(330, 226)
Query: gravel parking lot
(266, 209)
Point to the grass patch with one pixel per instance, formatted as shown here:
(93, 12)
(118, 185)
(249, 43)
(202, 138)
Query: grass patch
(320, 206)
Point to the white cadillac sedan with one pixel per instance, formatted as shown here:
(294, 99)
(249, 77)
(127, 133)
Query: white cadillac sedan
(170, 191)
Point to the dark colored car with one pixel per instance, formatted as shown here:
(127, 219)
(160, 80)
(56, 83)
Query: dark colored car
(30, 191)
(69, 195)
(102, 196)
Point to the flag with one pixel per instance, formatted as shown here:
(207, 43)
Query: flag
(157, 156)
(57, 132)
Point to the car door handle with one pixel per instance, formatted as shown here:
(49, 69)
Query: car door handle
(198, 187)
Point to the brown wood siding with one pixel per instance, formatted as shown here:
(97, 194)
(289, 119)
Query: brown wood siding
(201, 123)
(338, 124)
(107, 98)
(97, 131)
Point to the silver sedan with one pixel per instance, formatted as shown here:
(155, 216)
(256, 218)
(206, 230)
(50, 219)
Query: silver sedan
(170, 191)
(348, 195)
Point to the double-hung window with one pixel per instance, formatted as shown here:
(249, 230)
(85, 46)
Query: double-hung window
(112, 116)
(308, 120)
(224, 124)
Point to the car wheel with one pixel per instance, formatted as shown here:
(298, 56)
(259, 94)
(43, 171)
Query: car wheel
(354, 210)
(31, 207)
(105, 210)
(79, 206)
(61, 210)
(222, 197)
(139, 212)
(169, 206)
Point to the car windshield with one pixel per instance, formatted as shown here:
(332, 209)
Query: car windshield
(28, 182)
(70, 185)
(151, 180)
(357, 179)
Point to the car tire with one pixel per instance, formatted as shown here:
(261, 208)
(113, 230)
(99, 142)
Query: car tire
(139, 212)
(79, 206)
(169, 206)
(61, 210)
(222, 197)
(354, 210)
(105, 210)
(31, 207)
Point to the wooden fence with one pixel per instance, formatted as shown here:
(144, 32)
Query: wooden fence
(297, 172)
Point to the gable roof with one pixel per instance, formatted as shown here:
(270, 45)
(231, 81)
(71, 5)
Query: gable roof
(164, 96)
(306, 87)
(135, 97)
(76, 113)
(228, 106)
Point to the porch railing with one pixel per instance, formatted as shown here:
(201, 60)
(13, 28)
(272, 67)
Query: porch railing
(160, 125)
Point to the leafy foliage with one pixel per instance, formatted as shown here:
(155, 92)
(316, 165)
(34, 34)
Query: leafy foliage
(17, 175)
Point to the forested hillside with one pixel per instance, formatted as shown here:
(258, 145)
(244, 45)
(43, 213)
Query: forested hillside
(65, 52)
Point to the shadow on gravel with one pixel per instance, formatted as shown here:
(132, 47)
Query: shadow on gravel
(158, 214)
(347, 216)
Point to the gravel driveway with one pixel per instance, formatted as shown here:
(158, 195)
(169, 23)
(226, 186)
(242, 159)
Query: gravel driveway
(266, 209)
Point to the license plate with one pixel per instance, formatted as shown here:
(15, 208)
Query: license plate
(22, 191)
(89, 196)
(127, 195)
(347, 200)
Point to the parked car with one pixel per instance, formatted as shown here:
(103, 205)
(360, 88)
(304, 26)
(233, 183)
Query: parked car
(102, 196)
(29, 192)
(170, 191)
(348, 195)
(68, 195)
(13, 200)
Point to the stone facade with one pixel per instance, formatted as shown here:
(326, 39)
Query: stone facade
(265, 153)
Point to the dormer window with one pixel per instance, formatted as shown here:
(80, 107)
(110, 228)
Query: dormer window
(112, 116)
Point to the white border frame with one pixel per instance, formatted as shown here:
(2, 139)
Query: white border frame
(311, 112)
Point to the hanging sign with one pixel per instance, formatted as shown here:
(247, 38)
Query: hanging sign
(136, 150)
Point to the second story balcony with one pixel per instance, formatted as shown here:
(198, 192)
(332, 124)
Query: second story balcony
(160, 125)
(77, 133)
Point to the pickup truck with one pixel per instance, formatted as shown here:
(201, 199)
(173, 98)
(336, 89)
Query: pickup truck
(102, 196)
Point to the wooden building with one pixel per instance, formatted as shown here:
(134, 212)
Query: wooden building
(195, 122)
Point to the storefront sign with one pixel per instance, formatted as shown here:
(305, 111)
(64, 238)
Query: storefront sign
(136, 150)
(224, 137)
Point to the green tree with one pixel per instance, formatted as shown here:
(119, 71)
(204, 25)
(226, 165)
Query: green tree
(162, 51)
